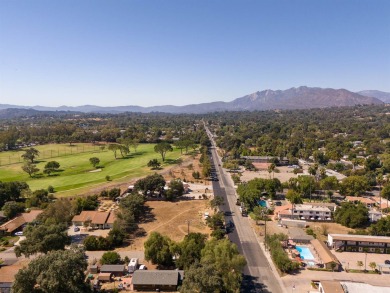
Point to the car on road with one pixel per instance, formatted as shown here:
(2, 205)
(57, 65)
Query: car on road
(20, 233)
(387, 261)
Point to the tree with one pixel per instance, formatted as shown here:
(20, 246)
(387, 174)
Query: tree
(58, 212)
(92, 243)
(94, 161)
(150, 183)
(158, 250)
(359, 263)
(51, 167)
(227, 262)
(354, 185)
(329, 183)
(385, 192)
(260, 213)
(271, 169)
(381, 227)
(351, 215)
(372, 163)
(154, 164)
(89, 203)
(190, 249)
(294, 197)
(30, 168)
(372, 265)
(116, 235)
(162, 148)
(39, 198)
(58, 271)
(114, 148)
(110, 258)
(202, 278)
(12, 191)
(30, 155)
(176, 189)
(134, 144)
(43, 239)
(216, 202)
(12, 208)
(134, 204)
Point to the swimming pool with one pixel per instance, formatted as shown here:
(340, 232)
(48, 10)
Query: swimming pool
(304, 252)
(262, 203)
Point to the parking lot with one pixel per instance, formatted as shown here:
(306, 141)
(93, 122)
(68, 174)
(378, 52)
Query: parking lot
(349, 259)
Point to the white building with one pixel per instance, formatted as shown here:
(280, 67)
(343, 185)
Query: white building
(311, 212)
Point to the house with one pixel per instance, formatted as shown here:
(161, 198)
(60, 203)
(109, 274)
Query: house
(359, 243)
(18, 222)
(93, 218)
(327, 258)
(116, 270)
(368, 202)
(93, 269)
(105, 277)
(110, 221)
(163, 280)
(7, 277)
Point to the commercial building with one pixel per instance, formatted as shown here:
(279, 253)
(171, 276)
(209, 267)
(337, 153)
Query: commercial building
(307, 212)
(359, 243)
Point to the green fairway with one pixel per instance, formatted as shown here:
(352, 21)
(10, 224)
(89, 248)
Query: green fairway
(76, 170)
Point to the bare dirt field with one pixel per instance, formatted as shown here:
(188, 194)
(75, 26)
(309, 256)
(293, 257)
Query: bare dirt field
(171, 219)
(284, 174)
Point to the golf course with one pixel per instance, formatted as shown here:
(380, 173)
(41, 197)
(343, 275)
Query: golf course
(76, 173)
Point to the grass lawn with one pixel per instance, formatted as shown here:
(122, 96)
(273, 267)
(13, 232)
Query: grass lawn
(76, 170)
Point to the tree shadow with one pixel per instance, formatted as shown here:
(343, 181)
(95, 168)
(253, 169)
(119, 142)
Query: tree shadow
(251, 284)
(138, 153)
(147, 216)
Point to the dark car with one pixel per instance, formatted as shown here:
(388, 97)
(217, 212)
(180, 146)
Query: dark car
(387, 261)
(278, 203)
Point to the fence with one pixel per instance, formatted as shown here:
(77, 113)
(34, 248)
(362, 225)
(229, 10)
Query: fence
(59, 151)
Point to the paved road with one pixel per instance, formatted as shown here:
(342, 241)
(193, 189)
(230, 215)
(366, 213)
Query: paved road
(258, 276)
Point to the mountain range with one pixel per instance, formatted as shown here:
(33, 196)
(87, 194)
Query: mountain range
(294, 98)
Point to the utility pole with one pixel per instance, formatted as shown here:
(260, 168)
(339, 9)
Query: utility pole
(188, 226)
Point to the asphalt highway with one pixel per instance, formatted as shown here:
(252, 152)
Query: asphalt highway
(258, 276)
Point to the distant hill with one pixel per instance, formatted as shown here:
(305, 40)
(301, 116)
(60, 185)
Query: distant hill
(294, 98)
(383, 96)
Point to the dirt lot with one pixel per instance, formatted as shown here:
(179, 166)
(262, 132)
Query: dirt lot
(284, 174)
(171, 219)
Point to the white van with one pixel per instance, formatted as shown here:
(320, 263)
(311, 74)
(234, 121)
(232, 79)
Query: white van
(133, 264)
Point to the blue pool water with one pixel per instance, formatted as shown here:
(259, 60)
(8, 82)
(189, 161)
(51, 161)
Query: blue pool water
(262, 203)
(304, 252)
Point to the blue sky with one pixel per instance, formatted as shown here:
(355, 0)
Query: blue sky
(157, 52)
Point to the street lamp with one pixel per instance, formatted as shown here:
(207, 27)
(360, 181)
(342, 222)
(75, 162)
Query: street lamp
(365, 262)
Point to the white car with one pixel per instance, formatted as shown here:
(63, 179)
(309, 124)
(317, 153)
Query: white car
(142, 267)
(20, 233)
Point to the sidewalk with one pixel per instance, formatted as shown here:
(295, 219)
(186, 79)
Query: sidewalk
(271, 263)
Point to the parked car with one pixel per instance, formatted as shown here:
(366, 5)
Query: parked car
(387, 261)
(278, 203)
(143, 267)
(76, 229)
(20, 233)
